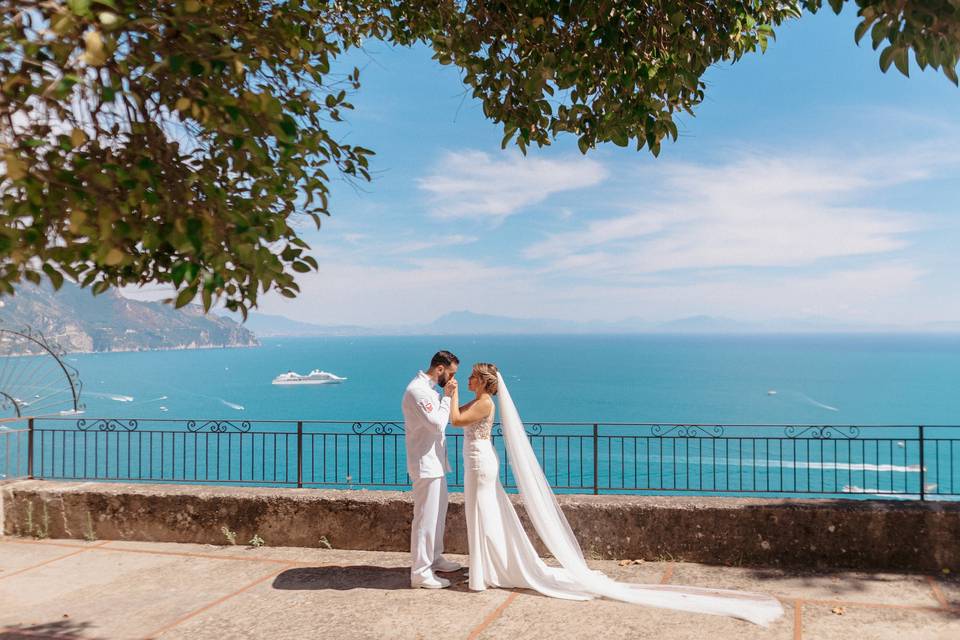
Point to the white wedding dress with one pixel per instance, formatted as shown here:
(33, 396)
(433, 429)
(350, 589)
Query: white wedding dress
(501, 554)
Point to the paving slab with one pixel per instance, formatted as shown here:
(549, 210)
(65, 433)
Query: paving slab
(17, 557)
(117, 595)
(263, 554)
(949, 587)
(532, 616)
(345, 602)
(69, 589)
(820, 621)
(889, 588)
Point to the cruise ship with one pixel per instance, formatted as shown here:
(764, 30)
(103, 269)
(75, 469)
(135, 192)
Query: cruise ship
(314, 377)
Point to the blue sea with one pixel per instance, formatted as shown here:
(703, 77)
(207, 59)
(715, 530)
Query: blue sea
(808, 380)
(872, 379)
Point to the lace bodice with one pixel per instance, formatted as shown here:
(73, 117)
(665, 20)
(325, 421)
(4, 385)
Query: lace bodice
(479, 430)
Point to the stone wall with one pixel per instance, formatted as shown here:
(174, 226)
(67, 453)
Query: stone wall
(869, 535)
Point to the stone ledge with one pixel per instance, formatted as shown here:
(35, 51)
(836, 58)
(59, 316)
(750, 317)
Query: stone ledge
(870, 535)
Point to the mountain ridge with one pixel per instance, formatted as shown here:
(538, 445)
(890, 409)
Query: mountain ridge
(468, 322)
(80, 322)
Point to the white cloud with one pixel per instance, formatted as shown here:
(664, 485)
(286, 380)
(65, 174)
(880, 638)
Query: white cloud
(374, 295)
(754, 239)
(871, 295)
(753, 212)
(433, 244)
(469, 184)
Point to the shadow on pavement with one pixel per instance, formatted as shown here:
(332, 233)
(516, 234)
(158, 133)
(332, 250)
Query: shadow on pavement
(344, 578)
(60, 630)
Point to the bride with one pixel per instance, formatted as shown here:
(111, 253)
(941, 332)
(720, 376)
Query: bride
(501, 554)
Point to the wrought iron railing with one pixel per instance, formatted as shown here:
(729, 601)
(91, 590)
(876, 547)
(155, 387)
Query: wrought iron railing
(14, 448)
(906, 461)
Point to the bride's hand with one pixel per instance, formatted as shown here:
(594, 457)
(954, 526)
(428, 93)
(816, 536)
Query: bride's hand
(451, 387)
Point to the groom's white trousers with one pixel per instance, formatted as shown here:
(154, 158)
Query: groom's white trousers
(426, 533)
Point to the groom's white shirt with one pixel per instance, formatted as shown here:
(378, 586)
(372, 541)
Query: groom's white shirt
(425, 415)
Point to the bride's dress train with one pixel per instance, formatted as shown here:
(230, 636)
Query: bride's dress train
(501, 554)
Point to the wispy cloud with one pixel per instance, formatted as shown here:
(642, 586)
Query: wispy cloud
(872, 294)
(420, 290)
(436, 243)
(467, 184)
(752, 212)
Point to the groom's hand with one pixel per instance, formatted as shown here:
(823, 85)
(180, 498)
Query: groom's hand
(451, 387)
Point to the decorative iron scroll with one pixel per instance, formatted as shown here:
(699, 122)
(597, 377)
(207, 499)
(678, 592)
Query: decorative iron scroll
(106, 424)
(378, 428)
(218, 426)
(824, 432)
(534, 429)
(687, 431)
(16, 384)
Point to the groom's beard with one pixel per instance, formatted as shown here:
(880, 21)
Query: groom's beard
(442, 380)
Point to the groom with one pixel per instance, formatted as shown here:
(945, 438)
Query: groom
(425, 416)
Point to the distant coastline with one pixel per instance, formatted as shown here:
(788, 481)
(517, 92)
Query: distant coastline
(79, 322)
(175, 348)
(467, 323)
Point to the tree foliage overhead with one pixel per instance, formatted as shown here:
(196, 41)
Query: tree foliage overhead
(176, 141)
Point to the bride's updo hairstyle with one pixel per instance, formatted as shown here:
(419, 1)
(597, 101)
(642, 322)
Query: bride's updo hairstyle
(487, 377)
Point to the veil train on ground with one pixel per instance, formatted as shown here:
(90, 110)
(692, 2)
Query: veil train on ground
(576, 580)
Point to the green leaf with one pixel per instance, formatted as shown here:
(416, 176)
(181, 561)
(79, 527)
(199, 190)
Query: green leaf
(56, 278)
(185, 297)
(178, 273)
(951, 73)
(878, 34)
(886, 57)
(902, 61)
(79, 7)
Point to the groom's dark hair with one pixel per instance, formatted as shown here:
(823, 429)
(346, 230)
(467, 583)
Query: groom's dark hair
(444, 358)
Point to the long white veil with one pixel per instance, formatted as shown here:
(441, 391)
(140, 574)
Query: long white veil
(554, 530)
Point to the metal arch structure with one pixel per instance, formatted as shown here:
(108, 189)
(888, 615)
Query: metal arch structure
(62, 392)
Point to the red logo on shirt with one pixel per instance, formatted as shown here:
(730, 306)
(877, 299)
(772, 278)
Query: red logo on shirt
(427, 406)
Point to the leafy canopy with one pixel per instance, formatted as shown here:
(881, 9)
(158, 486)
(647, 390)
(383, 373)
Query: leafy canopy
(179, 141)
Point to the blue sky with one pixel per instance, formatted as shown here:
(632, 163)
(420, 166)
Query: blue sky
(809, 185)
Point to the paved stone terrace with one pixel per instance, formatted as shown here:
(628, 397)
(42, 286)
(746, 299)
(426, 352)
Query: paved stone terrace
(71, 589)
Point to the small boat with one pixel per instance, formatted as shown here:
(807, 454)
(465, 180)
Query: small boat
(772, 392)
(314, 377)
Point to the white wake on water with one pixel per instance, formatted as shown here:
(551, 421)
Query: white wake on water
(111, 396)
(817, 403)
(232, 405)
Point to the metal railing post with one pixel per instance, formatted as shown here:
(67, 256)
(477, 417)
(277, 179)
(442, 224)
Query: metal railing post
(923, 470)
(300, 453)
(30, 448)
(596, 455)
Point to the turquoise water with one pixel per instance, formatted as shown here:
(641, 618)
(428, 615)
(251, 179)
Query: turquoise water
(817, 380)
(712, 379)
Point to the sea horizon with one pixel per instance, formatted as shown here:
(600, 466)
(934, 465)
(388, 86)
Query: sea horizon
(661, 378)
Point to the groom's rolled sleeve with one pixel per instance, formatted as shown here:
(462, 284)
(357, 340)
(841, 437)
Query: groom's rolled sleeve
(437, 414)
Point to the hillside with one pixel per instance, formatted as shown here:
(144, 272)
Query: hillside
(80, 322)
